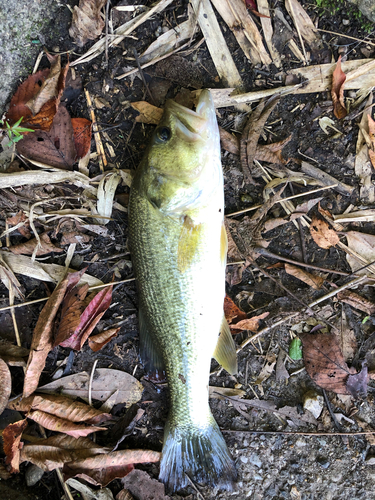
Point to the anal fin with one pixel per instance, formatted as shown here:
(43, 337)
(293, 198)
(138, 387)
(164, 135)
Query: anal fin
(225, 351)
(151, 356)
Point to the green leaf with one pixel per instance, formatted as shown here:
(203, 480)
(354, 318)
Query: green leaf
(295, 349)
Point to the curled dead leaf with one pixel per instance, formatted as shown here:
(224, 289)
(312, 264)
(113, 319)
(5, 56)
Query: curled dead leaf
(96, 342)
(232, 313)
(46, 246)
(87, 21)
(62, 425)
(54, 452)
(5, 384)
(102, 469)
(60, 406)
(12, 444)
(251, 324)
(337, 91)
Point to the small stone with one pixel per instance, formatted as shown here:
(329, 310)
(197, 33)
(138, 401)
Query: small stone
(255, 460)
(244, 459)
(33, 475)
(314, 403)
(345, 22)
(323, 462)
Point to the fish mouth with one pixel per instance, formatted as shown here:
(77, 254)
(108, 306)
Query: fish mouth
(193, 125)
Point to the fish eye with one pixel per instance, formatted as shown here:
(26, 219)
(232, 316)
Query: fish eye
(163, 134)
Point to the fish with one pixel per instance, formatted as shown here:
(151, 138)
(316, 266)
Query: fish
(178, 246)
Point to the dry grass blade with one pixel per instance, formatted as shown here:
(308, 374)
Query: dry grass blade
(121, 33)
(245, 30)
(266, 22)
(216, 43)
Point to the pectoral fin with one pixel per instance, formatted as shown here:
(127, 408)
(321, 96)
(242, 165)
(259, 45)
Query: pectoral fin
(150, 354)
(188, 243)
(225, 352)
(223, 245)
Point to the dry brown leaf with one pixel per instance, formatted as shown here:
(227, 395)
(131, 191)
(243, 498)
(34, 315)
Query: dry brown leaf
(87, 21)
(232, 313)
(96, 342)
(12, 444)
(55, 147)
(325, 363)
(62, 425)
(251, 324)
(5, 384)
(105, 383)
(46, 246)
(102, 469)
(357, 301)
(60, 406)
(323, 235)
(267, 369)
(315, 282)
(74, 237)
(148, 113)
(9, 349)
(54, 452)
(337, 91)
(42, 341)
(71, 311)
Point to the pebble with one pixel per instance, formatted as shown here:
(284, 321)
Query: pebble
(255, 460)
(314, 403)
(244, 459)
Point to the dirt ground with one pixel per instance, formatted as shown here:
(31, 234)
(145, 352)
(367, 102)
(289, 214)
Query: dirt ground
(276, 457)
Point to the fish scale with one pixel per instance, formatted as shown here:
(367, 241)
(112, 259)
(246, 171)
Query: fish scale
(176, 240)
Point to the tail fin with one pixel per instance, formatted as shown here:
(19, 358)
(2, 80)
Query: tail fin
(202, 454)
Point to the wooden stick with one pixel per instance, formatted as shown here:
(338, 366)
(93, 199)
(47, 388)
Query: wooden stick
(95, 128)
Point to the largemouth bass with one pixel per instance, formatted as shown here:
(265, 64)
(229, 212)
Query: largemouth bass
(178, 245)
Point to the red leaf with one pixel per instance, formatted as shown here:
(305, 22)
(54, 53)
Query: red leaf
(82, 136)
(71, 310)
(89, 319)
(54, 147)
(231, 312)
(42, 341)
(40, 93)
(12, 445)
(337, 91)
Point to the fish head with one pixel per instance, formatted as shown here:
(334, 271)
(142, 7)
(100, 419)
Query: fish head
(182, 168)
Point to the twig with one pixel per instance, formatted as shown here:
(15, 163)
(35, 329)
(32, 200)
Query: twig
(347, 36)
(143, 77)
(11, 303)
(199, 494)
(106, 31)
(261, 332)
(91, 379)
(267, 253)
(288, 433)
(338, 426)
(255, 207)
(154, 61)
(95, 128)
